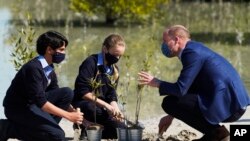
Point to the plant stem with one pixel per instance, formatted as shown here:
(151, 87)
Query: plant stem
(95, 109)
(138, 102)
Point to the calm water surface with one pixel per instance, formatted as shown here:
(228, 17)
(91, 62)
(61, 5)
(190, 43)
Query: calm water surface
(7, 71)
(140, 41)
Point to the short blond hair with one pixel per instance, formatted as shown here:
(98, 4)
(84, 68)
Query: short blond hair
(178, 30)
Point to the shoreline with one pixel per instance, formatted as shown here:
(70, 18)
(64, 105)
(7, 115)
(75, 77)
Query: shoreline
(150, 133)
(177, 131)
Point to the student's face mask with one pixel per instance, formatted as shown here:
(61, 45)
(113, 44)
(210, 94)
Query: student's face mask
(111, 59)
(58, 57)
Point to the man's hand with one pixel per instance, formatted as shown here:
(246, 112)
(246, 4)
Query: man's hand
(147, 79)
(164, 123)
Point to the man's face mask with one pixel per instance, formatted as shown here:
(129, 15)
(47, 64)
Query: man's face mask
(165, 50)
(111, 59)
(58, 57)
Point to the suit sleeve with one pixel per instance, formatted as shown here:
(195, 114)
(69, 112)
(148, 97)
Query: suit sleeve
(192, 63)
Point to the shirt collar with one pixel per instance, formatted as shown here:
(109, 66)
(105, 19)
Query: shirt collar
(43, 61)
(46, 67)
(179, 55)
(100, 60)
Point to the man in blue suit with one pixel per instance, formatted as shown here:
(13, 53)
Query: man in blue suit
(208, 91)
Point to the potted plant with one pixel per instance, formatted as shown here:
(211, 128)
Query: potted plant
(122, 132)
(94, 130)
(136, 129)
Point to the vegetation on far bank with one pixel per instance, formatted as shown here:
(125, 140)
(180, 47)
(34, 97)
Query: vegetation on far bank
(223, 27)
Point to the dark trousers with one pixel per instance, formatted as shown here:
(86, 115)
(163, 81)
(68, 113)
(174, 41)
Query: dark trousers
(102, 117)
(33, 124)
(186, 109)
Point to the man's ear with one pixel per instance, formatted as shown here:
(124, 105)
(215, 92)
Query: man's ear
(176, 38)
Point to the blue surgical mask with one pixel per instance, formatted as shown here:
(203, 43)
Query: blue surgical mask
(165, 50)
(58, 57)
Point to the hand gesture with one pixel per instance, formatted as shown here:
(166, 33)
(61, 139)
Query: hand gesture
(147, 79)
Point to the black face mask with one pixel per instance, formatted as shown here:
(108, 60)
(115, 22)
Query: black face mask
(58, 57)
(111, 59)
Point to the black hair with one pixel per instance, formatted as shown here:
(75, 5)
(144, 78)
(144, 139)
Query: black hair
(51, 38)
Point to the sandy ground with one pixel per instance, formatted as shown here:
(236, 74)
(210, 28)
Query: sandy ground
(178, 131)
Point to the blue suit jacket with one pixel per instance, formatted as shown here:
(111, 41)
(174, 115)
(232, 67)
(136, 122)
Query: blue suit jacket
(218, 85)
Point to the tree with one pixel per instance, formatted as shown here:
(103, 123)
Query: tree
(23, 45)
(113, 10)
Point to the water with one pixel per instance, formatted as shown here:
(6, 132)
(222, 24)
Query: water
(7, 70)
(85, 40)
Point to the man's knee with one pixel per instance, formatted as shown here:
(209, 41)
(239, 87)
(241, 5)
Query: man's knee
(164, 104)
(168, 104)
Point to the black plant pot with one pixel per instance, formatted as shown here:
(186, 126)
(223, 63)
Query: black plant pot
(122, 134)
(94, 132)
(135, 134)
